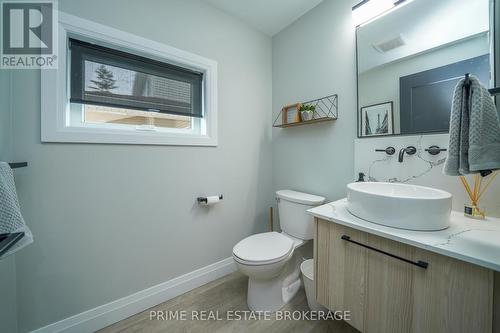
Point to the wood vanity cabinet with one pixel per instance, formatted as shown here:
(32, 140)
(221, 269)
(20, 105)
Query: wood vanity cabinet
(386, 294)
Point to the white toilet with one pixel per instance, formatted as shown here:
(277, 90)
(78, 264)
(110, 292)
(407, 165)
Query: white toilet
(271, 259)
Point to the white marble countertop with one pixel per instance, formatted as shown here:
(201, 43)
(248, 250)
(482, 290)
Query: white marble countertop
(474, 241)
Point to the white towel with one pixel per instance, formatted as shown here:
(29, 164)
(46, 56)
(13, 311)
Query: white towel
(11, 219)
(474, 131)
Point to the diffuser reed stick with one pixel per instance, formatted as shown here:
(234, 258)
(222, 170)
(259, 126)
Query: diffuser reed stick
(487, 184)
(467, 187)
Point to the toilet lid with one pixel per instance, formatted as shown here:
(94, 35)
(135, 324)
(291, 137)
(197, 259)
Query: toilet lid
(265, 247)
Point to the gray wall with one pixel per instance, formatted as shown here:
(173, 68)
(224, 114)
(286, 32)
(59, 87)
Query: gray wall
(8, 306)
(110, 220)
(312, 58)
(5, 115)
(8, 316)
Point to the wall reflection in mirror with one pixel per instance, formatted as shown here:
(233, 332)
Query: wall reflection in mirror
(410, 59)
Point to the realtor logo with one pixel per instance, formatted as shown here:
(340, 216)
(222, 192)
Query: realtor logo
(29, 38)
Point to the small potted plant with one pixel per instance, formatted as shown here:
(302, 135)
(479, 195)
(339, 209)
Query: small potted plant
(307, 112)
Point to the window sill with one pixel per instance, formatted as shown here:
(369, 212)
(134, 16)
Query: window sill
(109, 136)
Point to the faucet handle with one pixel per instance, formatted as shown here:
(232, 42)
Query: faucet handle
(410, 150)
(388, 150)
(434, 150)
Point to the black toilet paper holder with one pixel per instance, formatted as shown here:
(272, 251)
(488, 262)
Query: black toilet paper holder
(204, 199)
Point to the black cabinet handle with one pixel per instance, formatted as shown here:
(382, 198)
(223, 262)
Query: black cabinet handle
(419, 263)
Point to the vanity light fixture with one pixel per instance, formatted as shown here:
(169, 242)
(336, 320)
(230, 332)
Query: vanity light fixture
(368, 10)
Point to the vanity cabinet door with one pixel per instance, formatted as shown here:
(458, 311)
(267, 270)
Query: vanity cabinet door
(388, 287)
(340, 270)
(451, 295)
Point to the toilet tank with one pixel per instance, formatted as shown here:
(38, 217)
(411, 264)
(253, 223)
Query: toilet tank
(292, 206)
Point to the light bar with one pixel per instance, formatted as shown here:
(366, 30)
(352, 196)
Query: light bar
(367, 10)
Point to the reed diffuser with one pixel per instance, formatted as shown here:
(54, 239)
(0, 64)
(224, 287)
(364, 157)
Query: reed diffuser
(475, 193)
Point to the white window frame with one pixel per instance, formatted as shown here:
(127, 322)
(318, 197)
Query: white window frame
(55, 105)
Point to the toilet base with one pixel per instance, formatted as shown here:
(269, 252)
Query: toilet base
(272, 294)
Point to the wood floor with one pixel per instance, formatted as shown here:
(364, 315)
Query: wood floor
(223, 295)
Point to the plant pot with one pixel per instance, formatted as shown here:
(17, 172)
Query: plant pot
(306, 115)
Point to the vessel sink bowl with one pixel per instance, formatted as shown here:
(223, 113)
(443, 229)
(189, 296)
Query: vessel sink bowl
(401, 206)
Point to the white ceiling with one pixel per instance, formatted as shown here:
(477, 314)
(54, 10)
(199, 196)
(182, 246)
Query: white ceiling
(267, 16)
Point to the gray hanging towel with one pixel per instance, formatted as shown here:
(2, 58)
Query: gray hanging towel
(474, 131)
(11, 219)
(484, 131)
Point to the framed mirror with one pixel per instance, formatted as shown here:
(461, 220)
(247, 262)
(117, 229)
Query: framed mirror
(410, 58)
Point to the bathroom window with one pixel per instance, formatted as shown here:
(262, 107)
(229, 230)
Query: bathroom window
(115, 87)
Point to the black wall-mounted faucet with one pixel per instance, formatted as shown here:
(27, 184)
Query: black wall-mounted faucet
(410, 150)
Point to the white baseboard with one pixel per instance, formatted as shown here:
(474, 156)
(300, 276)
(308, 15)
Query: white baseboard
(110, 313)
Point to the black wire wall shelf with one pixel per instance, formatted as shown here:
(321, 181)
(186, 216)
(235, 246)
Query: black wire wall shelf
(324, 109)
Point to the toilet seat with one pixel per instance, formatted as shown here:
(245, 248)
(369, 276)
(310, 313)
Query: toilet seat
(263, 249)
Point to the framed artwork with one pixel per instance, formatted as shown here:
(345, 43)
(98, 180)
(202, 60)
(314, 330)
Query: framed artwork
(377, 119)
(291, 114)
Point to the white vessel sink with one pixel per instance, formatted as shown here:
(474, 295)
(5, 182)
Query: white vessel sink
(400, 205)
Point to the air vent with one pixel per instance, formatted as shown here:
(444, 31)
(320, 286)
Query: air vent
(391, 44)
